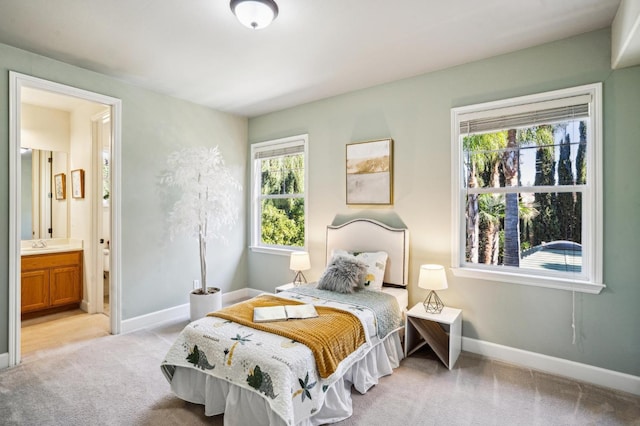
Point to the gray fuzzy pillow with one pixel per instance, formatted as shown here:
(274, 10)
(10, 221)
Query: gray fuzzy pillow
(343, 274)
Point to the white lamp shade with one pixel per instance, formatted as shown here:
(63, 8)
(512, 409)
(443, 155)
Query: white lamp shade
(255, 14)
(299, 261)
(432, 277)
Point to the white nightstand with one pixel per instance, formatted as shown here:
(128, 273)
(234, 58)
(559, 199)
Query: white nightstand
(422, 328)
(284, 287)
(289, 286)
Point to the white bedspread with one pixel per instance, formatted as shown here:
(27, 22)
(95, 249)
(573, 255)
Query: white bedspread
(279, 371)
(242, 407)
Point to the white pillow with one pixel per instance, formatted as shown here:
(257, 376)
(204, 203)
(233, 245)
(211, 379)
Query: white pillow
(376, 263)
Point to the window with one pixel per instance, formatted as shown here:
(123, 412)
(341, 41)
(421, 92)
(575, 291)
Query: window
(279, 204)
(526, 190)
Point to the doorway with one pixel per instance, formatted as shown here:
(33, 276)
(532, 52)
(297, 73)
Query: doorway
(87, 219)
(101, 136)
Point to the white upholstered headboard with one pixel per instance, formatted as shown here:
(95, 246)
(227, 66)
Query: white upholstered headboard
(371, 235)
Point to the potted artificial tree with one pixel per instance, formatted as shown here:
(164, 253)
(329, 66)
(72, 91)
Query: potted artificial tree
(205, 210)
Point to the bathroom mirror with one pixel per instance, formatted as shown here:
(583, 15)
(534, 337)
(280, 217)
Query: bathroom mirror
(43, 211)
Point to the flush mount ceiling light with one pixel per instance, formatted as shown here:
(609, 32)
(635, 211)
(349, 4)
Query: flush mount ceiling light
(254, 14)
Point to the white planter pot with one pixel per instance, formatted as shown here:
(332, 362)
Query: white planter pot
(201, 304)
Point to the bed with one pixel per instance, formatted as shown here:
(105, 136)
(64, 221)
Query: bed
(266, 376)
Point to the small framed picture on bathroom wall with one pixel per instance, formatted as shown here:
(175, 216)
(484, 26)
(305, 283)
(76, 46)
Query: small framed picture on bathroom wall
(60, 185)
(77, 183)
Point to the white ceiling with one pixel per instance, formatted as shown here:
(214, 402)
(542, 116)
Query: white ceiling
(197, 50)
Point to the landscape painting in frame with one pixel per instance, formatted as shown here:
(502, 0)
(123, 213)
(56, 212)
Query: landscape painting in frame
(370, 172)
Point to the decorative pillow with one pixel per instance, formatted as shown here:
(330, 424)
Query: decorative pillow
(376, 263)
(342, 274)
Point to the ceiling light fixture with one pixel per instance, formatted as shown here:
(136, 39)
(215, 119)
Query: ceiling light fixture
(254, 14)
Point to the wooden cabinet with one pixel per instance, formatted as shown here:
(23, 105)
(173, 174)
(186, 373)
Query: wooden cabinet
(51, 282)
(35, 290)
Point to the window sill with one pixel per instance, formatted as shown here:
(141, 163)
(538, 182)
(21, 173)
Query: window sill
(280, 251)
(536, 281)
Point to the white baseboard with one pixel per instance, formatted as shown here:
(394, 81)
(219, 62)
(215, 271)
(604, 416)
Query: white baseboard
(154, 318)
(179, 312)
(558, 366)
(4, 360)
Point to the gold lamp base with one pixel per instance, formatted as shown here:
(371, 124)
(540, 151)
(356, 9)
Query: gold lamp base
(432, 303)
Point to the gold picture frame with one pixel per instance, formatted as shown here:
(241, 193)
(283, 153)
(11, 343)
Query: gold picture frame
(60, 186)
(77, 183)
(369, 170)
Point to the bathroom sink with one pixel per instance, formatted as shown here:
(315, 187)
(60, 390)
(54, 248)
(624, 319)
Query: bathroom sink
(30, 249)
(41, 250)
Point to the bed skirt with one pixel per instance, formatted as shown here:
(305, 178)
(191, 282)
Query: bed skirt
(242, 407)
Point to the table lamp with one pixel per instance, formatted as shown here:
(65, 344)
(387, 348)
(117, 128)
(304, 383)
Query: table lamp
(299, 261)
(432, 277)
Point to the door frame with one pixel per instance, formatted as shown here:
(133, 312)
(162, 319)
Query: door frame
(98, 205)
(16, 82)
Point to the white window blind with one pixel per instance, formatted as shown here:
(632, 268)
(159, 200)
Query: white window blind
(279, 151)
(517, 116)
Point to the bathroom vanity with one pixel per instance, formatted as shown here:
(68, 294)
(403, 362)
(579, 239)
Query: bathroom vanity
(51, 280)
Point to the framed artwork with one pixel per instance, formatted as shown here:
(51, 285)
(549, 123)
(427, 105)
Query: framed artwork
(77, 183)
(370, 172)
(60, 186)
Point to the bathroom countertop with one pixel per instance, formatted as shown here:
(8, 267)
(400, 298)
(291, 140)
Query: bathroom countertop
(55, 245)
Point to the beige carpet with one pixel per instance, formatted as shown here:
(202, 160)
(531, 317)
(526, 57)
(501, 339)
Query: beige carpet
(116, 380)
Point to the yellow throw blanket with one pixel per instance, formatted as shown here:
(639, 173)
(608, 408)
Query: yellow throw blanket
(331, 336)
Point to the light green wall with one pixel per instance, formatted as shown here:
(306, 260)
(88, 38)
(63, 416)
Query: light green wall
(156, 273)
(415, 112)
